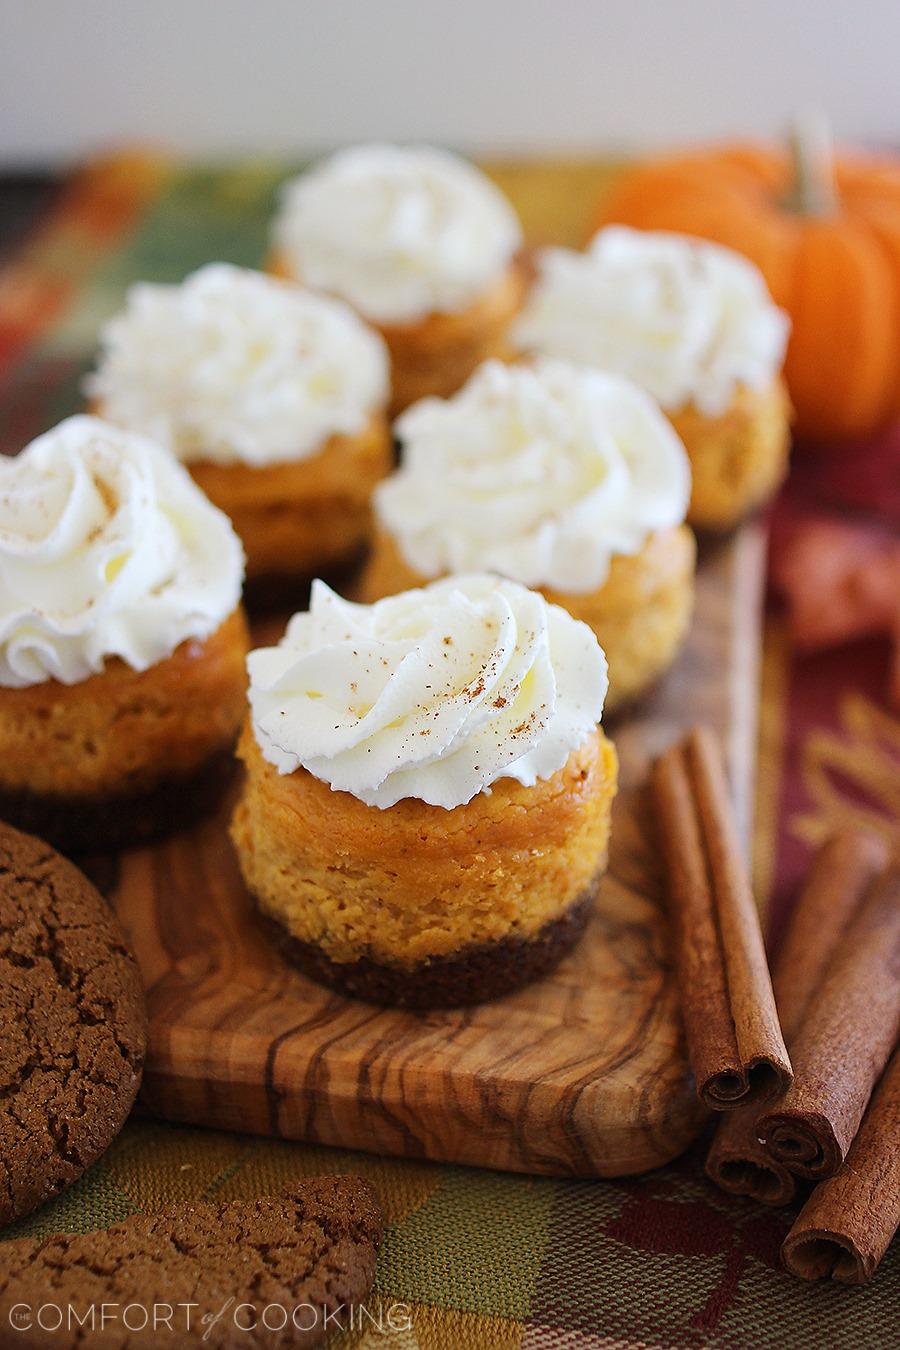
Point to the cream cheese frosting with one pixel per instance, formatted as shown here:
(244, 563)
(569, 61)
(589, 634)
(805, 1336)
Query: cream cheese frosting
(433, 694)
(541, 473)
(399, 232)
(687, 320)
(234, 367)
(107, 549)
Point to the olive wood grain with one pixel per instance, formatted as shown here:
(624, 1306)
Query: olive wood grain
(582, 1074)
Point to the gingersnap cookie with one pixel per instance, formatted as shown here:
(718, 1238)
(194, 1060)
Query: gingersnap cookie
(73, 1025)
(285, 1270)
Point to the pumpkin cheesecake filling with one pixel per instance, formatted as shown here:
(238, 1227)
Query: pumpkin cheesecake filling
(425, 815)
(436, 355)
(296, 519)
(417, 882)
(739, 459)
(124, 730)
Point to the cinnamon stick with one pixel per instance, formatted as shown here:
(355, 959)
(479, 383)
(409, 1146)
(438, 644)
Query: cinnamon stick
(840, 875)
(847, 1224)
(734, 1040)
(850, 1028)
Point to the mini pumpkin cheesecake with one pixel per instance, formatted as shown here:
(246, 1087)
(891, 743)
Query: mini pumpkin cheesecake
(275, 400)
(425, 815)
(122, 641)
(421, 244)
(562, 478)
(694, 325)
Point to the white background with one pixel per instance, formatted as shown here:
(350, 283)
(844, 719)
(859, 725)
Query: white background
(220, 76)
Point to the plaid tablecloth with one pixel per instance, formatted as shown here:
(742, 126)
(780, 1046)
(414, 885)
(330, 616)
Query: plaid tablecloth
(481, 1259)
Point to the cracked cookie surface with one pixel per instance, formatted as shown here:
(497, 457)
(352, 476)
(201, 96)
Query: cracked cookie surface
(73, 1024)
(228, 1272)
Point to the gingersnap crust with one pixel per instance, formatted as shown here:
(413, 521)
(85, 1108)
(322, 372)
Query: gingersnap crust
(82, 824)
(307, 1254)
(307, 516)
(73, 1024)
(475, 974)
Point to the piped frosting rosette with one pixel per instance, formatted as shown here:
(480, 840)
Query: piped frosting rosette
(107, 549)
(541, 473)
(433, 694)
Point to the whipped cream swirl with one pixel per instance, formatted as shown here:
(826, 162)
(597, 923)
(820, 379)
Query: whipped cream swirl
(236, 367)
(540, 473)
(433, 694)
(399, 232)
(688, 321)
(107, 548)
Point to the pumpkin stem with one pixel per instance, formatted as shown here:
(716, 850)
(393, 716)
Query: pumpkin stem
(813, 192)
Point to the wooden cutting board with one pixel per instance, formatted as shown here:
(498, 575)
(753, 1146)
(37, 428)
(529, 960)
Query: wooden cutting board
(583, 1074)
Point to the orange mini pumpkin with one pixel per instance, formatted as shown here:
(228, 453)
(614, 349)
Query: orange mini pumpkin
(826, 236)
